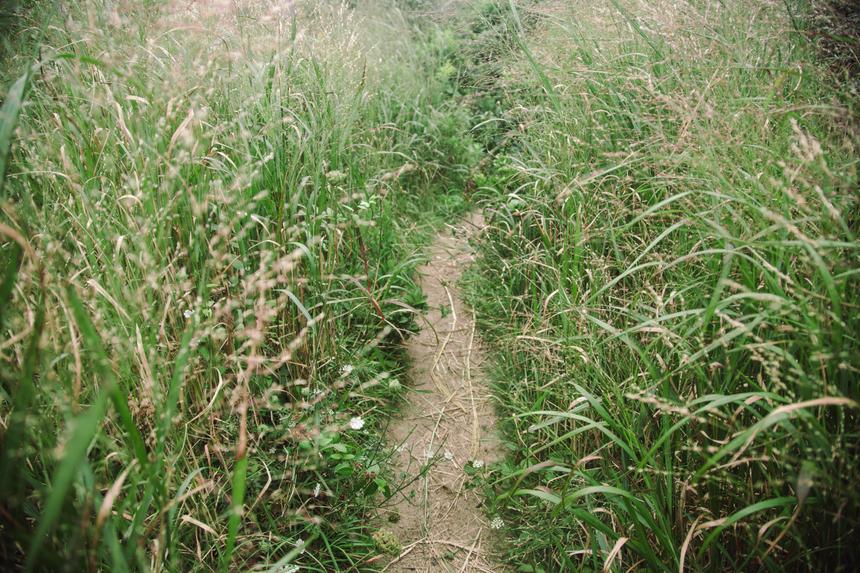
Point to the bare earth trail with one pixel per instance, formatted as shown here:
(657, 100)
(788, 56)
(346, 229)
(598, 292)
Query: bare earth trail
(449, 419)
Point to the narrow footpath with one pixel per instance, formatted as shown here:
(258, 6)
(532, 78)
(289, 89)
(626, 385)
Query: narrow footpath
(448, 423)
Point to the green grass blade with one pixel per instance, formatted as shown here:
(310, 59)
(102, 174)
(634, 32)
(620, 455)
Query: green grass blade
(746, 512)
(86, 426)
(10, 276)
(9, 113)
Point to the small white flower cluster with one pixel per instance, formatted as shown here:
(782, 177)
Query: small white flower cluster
(497, 523)
(356, 423)
(187, 313)
(477, 464)
(346, 370)
(449, 456)
(290, 569)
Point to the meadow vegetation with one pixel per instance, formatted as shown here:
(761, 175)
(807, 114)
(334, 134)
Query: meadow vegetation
(209, 227)
(670, 273)
(210, 218)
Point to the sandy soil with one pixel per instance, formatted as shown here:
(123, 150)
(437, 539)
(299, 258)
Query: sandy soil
(449, 420)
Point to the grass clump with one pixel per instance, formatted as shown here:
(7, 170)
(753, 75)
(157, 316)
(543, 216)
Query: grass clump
(670, 272)
(205, 227)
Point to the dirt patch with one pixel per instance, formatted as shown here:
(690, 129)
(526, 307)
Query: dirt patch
(449, 421)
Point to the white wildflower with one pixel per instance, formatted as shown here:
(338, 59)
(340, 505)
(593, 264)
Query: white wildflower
(497, 523)
(448, 455)
(356, 423)
(300, 545)
(188, 313)
(477, 464)
(394, 384)
(347, 370)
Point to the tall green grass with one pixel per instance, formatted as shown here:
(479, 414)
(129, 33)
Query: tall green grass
(670, 274)
(207, 229)
(207, 232)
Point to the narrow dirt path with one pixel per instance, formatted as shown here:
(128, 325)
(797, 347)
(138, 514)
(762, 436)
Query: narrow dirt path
(449, 421)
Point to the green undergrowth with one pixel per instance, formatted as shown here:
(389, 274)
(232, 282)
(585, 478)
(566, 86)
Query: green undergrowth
(669, 281)
(209, 225)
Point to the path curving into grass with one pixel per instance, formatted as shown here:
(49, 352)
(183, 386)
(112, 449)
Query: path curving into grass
(448, 425)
